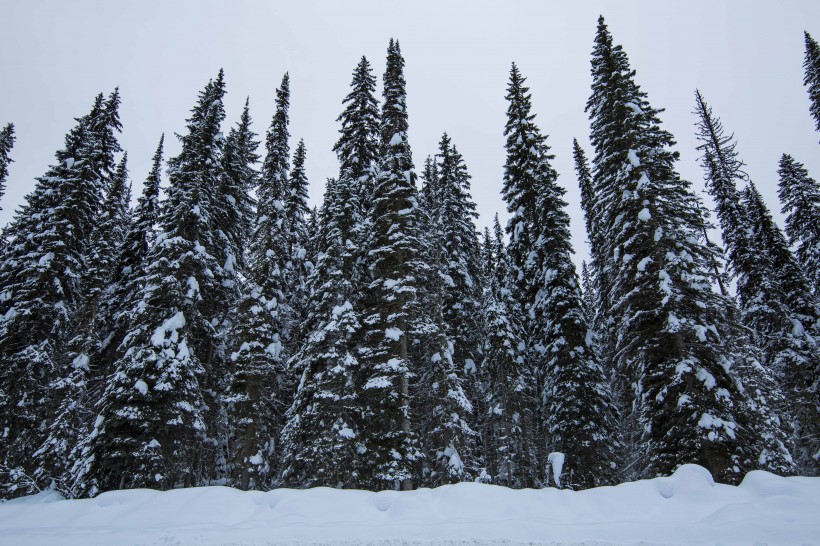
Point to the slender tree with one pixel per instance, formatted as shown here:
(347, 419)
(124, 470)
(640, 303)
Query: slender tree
(765, 307)
(42, 271)
(322, 440)
(447, 383)
(128, 271)
(358, 144)
(800, 196)
(794, 355)
(7, 139)
(151, 425)
(391, 443)
(811, 80)
(296, 215)
(506, 421)
(73, 390)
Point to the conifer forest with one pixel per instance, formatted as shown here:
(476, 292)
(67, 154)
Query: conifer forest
(218, 330)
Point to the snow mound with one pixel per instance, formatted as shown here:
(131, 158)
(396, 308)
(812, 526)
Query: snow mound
(687, 508)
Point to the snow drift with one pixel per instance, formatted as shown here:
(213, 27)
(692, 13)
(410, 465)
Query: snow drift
(687, 508)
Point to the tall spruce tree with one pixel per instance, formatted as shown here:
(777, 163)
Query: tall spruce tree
(128, 270)
(525, 173)
(591, 222)
(796, 355)
(446, 389)
(580, 415)
(800, 196)
(670, 340)
(506, 420)
(254, 397)
(74, 390)
(235, 219)
(296, 215)
(392, 445)
(151, 424)
(579, 418)
(260, 388)
(811, 79)
(322, 440)
(358, 145)
(269, 252)
(6, 143)
(765, 308)
(41, 273)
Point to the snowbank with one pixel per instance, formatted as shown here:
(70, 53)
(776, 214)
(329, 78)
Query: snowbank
(686, 508)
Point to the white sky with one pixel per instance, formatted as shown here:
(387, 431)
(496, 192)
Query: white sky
(745, 56)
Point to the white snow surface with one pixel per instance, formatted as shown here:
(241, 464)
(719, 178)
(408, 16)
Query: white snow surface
(687, 508)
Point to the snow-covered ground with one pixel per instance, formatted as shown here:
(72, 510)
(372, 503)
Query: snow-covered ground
(686, 508)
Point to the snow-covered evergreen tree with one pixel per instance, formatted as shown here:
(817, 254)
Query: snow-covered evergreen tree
(321, 442)
(793, 352)
(235, 220)
(764, 306)
(391, 444)
(506, 420)
(579, 418)
(269, 252)
(151, 424)
(72, 390)
(358, 145)
(580, 415)
(260, 386)
(525, 173)
(811, 79)
(670, 330)
(42, 270)
(127, 274)
(296, 215)
(800, 196)
(449, 342)
(254, 397)
(6, 143)
(591, 222)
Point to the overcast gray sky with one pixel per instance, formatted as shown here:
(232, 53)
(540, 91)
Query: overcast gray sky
(745, 56)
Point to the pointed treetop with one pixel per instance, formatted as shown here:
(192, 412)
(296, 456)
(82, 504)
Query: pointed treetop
(811, 79)
(7, 139)
(358, 144)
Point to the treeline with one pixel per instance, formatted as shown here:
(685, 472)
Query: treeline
(228, 334)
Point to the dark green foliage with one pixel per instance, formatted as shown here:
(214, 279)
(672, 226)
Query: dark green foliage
(800, 196)
(669, 339)
(151, 429)
(754, 243)
(42, 273)
(321, 441)
(7, 139)
(450, 332)
(392, 447)
(235, 206)
(792, 353)
(811, 80)
(73, 390)
(358, 145)
(255, 398)
(506, 419)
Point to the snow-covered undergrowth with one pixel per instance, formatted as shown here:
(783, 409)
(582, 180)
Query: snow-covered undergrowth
(686, 508)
